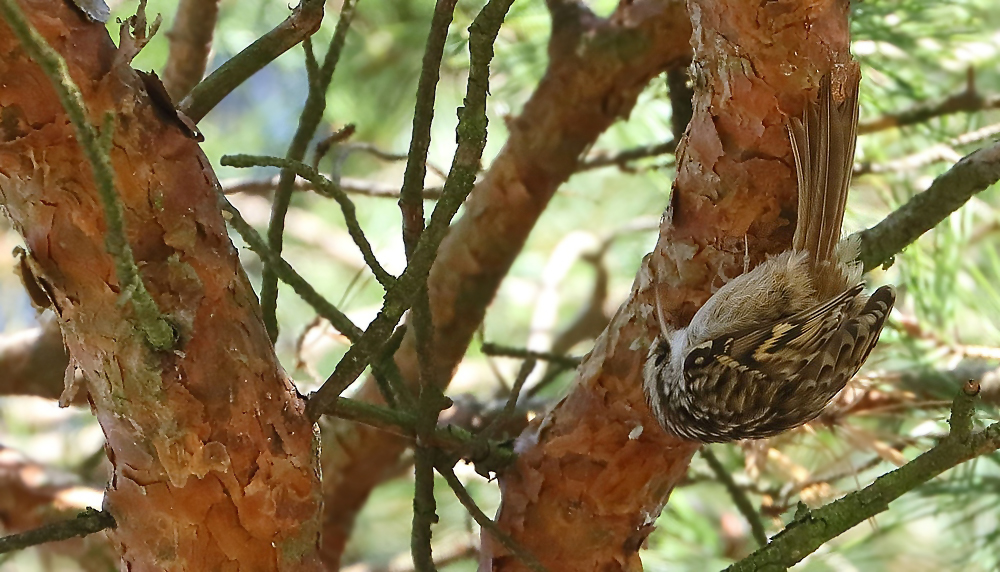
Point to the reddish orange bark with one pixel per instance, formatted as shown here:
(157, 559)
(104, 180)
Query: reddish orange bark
(596, 71)
(214, 462)
(594, 474)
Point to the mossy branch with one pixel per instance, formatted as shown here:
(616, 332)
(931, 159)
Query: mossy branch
(814, 528)
(319, 78)
(327, 188)
(471, 132)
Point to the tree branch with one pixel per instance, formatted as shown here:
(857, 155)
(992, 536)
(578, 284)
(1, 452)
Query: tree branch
(596, 70)
(87, 522)
(738, 495)
(812, 529)
(968, 100)
(285, 271)
(488, 456)
(328, 188)
(347, 184)
(499, 350)
(471, 133)
(410, 200)
(974, 173)
(486, 523)
(304, 20)
(309, 120)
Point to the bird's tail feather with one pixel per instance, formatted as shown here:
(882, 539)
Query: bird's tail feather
(823, 146)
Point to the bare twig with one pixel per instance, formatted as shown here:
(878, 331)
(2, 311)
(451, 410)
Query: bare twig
(347, 184)
(738, 495)
(933, 154)
(190, 45)
(812, 529)
(388, 156)
(424, 507)
(87, 522)
(410, 201)
(485, 522)
(309, 120)
(157, 331)
(968, 100)
(974, 173)
(508, 409)
(471, 132)
(506, 351)
(287, 274)
(327, 188)
(598, 160)
(302, 23)
(488, 456)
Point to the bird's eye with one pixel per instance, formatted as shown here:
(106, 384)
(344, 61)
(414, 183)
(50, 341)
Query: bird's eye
(661, 352)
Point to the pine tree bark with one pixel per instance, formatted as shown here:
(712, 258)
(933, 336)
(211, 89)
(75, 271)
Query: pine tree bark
(593, 474)
(214, 462)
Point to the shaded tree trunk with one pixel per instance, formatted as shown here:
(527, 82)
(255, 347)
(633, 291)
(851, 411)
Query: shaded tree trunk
(214, 462)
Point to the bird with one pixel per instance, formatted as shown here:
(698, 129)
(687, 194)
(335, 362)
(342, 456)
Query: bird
(772, 347)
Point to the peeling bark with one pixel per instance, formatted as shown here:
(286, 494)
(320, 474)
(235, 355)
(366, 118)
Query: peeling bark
(594, 474)
(596, 71)
(214, 462)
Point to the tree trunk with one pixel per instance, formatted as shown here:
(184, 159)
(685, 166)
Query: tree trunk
(214, 462)
(596, 471)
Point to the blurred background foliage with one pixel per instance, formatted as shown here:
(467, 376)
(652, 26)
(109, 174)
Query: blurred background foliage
(944, 330)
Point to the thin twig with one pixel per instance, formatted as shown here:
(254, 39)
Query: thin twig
(547, 380)
(488, 456)
(302, 23)
(157, 331)
(471, 133)
(508, 409)
(411, 203)
(389, 156)
(813, 528)
(974, 173)
(968, 100)
(283, 270)
(348, 184)
(738, 495)
(391, 384)
(566, 361)
(934, 154)
(620, 158)
(424, 510)
(485, 522)
(309, 120)
(327, 188)
(87, 522)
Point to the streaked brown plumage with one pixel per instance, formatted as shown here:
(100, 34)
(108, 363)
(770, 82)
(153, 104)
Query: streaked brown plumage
(772, 347)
